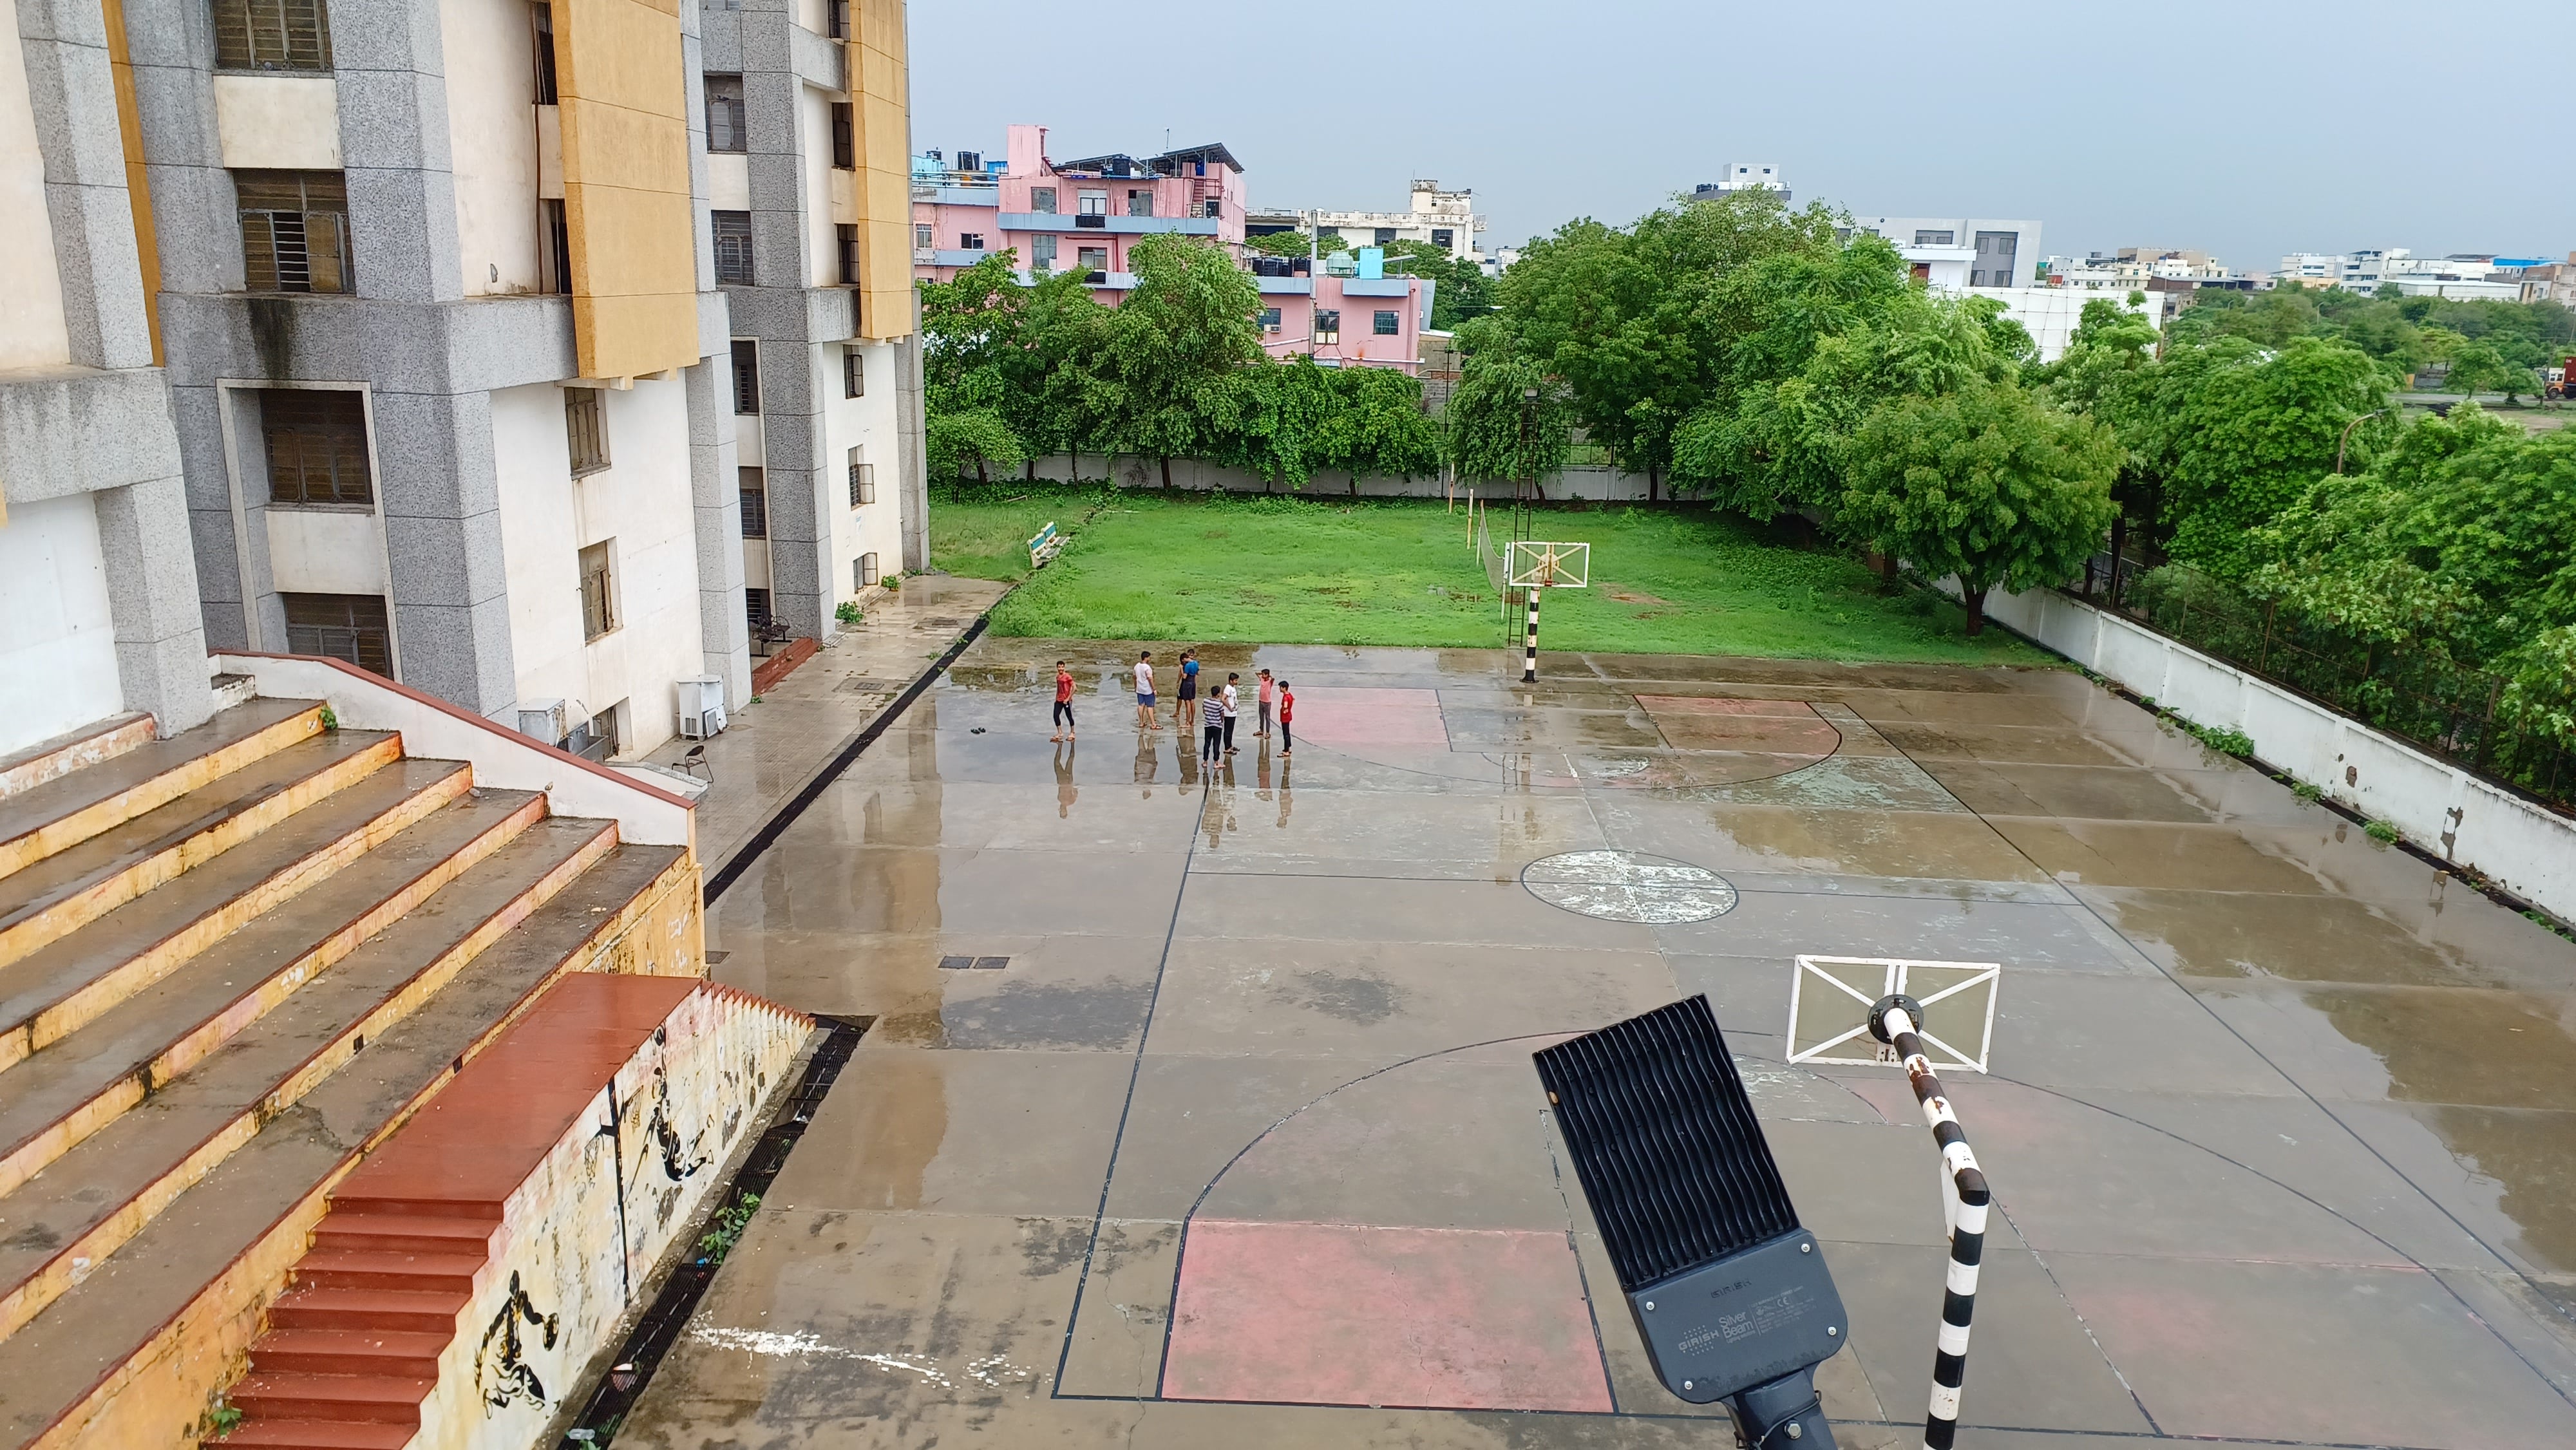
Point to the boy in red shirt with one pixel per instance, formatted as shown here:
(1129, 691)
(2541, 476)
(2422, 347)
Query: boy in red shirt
(1063, 702)
(1287, 712)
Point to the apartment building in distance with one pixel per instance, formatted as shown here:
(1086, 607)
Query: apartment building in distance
(1436, 217)
(1745, 176)
(1085, 215)
(445, 293)
(1957, 252)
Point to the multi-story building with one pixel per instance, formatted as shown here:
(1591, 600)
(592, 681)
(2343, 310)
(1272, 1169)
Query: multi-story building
(1085, 215)
(98, 590)
(1443, 219)
(2463, 276)
(1956, 252)
(461, 321)
(1745, 176)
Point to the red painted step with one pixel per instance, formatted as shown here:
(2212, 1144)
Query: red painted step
(316, 1435)
(344, 1268)
(380, 1399)
(366, 1309)
(409, 1353)
(405, 1233)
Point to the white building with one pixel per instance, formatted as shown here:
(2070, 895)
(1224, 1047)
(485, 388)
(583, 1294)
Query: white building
(2051, 314)
(1954, 253)
(2461, 276)
(1444, 219)
(1745, 176)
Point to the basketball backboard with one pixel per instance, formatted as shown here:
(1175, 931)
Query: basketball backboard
(1830, 998)
(1535, 564)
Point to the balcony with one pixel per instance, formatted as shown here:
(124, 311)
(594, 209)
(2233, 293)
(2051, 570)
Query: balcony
(1285, 286)
(1128, 226)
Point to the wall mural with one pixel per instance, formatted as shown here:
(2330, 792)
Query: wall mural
(502, 1373)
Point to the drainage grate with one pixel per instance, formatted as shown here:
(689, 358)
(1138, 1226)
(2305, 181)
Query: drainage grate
(1629, 886)
(961, 964)
(662, 1321)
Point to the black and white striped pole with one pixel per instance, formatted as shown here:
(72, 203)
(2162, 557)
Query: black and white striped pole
(1529, 661)
(1894, 1020)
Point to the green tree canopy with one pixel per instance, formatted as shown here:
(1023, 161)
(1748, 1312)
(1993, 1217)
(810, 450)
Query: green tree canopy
(1171, 348)
(1506, 419)
(1987, 482)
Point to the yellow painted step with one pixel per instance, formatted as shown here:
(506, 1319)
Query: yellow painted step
(37, 822)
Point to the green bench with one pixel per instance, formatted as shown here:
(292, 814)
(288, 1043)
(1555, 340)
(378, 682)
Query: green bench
(1045, 546)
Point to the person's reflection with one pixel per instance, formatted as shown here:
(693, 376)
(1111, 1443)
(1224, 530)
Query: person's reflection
(1065, 793)
(1146, 764)
(1261, 771)
(1189, 765)
(1283, 791)
(1220, 803)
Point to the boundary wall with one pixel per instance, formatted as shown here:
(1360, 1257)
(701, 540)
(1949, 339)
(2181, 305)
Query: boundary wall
(2519, 844)
(1582, 481)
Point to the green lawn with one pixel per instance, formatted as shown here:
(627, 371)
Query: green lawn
(1236, 569)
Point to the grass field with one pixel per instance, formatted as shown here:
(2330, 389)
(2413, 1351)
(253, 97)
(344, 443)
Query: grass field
(1266, 569)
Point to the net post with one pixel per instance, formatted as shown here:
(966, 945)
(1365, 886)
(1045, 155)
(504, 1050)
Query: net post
(1529, 661)
(1965, 1197)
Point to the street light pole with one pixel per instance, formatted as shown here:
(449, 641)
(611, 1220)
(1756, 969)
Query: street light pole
(2347, 437)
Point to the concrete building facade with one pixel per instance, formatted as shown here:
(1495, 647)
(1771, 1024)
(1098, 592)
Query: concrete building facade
(1956, 252)
(451, 299)
(1435, 217)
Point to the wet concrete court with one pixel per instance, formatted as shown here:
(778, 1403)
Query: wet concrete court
(1242, 1146)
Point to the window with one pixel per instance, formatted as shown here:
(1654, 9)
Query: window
(348, 627)
(554, 255)
(1328, 325)
(1140, 201)
(922, 235)
(1093, 203)
(1042, 200)
(836, 19)
(863, 571)
(1269, 319)
(295, 230)
(733, 247)
(863, 480)
(272, 35)
(541, 50)
(598, 590)
(755, 504)
(1091, 259)
(845, 137)
(746, 376)
(846, 235)
(1444, 238)
(1998, 255)
(1383, 324)
(971, 241)
(597, 737)
(755, 610)
(854, 373)
(1042, 253)
(317, 446)
(1384, 236)
(586, 430)
(1929, 238)
(724, 114)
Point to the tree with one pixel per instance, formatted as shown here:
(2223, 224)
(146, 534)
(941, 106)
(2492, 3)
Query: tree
(1376, 425)
(1460, 289)
(1988, 483)
(2479, 368)
(1170, 350)
(1277, 244)
(1506, 420)
(951, 440)
(2231, 436)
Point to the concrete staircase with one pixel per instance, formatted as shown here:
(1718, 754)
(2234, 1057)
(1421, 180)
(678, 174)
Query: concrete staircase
(232, 964)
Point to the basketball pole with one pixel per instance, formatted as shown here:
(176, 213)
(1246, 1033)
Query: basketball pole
(1529, 661)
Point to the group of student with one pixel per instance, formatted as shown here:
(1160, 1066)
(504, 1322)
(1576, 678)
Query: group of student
(1215, 717)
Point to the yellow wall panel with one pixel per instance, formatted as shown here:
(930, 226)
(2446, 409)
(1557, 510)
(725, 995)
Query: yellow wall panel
(625, 113)
(880, 96)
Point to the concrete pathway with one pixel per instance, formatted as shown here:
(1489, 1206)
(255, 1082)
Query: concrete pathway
(1197, 1108)
(775, 744)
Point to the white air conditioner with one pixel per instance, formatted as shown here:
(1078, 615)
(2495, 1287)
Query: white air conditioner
(702, 710)
(544, 720)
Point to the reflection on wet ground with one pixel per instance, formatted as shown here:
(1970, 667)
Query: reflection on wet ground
(2282, 1122)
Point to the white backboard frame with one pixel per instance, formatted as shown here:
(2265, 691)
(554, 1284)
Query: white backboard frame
(1856, 1047)
(1538, 564)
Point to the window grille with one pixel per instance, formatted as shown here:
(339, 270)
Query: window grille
(1384, 325)
(295, 230)
(863, 481)
(755, 504)
(272, 35)
(351, 627)
(733, 248)
(746, 375)
(847, 236)
(598, 592)
(863, 570)
(1328, 325)
(555, 269)
(845, 139)
(541, 50)
(854, 373)
(317, 446)
(1042, 200)
(585, 430)
(725, 129)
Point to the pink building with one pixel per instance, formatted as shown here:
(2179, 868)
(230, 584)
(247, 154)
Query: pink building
(1085, 215)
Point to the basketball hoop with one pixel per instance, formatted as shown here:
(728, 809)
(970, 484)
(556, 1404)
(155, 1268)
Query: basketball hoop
(1535, 564)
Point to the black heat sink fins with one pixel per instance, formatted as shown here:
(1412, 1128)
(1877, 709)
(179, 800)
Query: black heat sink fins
(1665, 1142)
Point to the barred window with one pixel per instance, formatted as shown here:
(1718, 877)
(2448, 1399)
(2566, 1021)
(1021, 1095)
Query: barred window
(854, 373)
(272, 35)
(845, 140)
(598, 591)
(1384, 324)
(349, 627)
(317, 446)
(733, 247)
(755, 504)
(863, 481)
(863, 571)
(295, 230)
(541, 49)
(554, 271)
(724, 114)
(1328, 325)
(586, 430)
(746, 376)
(848, 237)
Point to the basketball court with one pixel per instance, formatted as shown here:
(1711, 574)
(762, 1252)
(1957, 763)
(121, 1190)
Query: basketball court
(1198, 1107)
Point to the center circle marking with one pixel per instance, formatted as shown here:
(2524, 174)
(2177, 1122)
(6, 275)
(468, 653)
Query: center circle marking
(1629, 886)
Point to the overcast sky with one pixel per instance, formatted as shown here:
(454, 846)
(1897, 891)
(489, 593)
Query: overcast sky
(2247, 129)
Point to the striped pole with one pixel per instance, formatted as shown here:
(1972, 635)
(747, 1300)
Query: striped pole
(1963, 1201)
(1529, 662)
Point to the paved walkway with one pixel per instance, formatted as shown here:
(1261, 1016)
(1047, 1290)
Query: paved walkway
(1198, 1108)
(775, 744)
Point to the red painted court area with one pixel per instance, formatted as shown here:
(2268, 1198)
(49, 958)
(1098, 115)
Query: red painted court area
(1343, 1314)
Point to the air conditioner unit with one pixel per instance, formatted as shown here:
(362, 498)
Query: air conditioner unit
(702, 711)
(544, 720)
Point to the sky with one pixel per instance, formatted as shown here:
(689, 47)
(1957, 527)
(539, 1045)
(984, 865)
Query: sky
(2245, 129)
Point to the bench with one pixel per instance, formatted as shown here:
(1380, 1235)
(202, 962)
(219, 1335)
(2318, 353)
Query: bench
(1045, 546)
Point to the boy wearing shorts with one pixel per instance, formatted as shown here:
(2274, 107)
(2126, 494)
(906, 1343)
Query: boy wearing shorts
(1145, 692)
(1063, 719)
